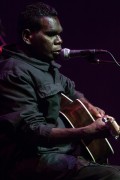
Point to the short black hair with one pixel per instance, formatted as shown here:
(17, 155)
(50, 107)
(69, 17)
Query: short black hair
(29, 18)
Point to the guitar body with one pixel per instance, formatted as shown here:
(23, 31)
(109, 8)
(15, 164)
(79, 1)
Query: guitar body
(75, 115)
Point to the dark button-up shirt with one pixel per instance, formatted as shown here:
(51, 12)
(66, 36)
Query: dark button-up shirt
(30, 95)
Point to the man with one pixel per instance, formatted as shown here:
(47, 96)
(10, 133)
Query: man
(34, 142)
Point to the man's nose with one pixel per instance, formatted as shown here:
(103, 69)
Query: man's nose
(58, 40)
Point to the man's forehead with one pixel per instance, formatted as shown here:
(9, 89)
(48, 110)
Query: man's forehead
(50, 23)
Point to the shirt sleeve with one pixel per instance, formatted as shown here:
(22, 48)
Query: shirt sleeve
(69, 87)
(19, 106)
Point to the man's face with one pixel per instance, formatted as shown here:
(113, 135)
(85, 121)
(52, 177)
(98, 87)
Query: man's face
(46, 43)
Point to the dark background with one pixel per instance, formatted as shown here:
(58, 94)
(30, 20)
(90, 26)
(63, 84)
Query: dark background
(87, 24)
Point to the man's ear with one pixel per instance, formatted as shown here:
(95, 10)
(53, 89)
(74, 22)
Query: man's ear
(27, 36)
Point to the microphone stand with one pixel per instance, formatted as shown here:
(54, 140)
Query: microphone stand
(93, 59)
(99, 61)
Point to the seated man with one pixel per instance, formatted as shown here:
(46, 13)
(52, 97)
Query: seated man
(34, 141)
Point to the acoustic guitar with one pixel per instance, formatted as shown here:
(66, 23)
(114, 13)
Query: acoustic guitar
(75, 114)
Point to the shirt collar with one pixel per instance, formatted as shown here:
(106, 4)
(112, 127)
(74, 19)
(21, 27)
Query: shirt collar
(42, 65)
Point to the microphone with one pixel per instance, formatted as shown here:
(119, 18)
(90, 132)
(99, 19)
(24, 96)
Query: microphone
(67, 53)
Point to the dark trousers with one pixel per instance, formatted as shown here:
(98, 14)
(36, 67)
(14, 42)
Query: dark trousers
(59, 166)
(98, 172)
